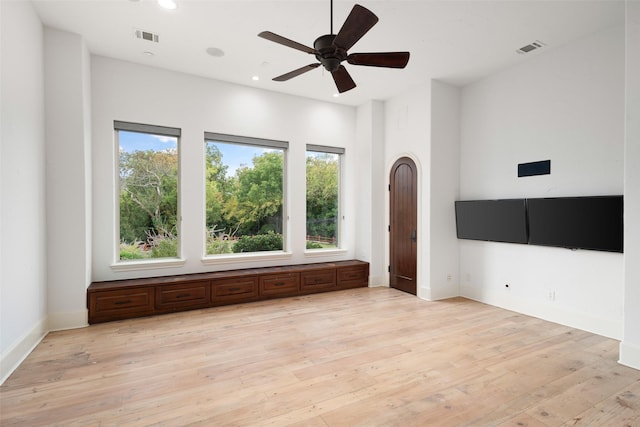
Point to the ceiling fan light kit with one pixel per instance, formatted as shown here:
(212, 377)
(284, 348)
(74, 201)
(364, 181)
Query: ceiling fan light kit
(332, 49)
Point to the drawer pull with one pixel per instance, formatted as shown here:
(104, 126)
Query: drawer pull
(127, 301)
(234, 289)
(183, 295)
(279, 284)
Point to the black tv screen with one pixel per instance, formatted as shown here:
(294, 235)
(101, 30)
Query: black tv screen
(577, 222)
(502, 220)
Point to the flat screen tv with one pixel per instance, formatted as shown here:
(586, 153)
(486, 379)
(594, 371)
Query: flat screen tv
(502, 220)
(577, 222)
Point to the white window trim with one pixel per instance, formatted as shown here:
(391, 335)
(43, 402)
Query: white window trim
(317, 253)
(149, 264)
(246, 257)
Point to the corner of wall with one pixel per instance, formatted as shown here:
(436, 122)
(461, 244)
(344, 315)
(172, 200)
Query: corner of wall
(630, 346)
(68, 320)
(444, 171)
(629, 355)
(68, 151)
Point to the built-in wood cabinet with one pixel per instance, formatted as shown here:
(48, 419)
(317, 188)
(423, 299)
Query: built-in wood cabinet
(279, 284)
(183, 296)
(352, 276)
(234, 290)
(123, 299)
(318, 280)
(120, 304)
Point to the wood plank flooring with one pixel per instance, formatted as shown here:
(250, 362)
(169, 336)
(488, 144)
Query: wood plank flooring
(363, 357)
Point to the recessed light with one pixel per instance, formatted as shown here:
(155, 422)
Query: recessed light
(168, 4)
(335, 95)
(214, 51)
(255, 78)
(148, 53)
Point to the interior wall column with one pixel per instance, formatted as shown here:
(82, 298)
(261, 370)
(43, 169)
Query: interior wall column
(630, 346)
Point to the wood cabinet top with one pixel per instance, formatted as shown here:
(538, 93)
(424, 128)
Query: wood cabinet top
(185, 278)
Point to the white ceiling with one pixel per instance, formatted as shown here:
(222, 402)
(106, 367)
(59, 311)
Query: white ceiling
(454, 41)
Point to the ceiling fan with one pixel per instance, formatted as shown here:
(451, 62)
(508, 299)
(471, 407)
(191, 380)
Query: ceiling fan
(331, 49)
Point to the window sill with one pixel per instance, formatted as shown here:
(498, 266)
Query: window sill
(316, 253)
(148, 264)
(256, 256)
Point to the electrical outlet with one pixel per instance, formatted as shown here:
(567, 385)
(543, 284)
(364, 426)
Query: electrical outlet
(448, 277)
(551, 295)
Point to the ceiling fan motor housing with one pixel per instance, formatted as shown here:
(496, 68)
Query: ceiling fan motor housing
(329, 54)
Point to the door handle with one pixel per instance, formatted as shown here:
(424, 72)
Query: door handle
(413, 236)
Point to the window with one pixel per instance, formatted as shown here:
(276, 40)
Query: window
(323, 197)
(147, 191)
(244, 184)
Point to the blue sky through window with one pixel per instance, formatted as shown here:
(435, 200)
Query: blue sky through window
(136, 141)
(233, 155)
(237, 155)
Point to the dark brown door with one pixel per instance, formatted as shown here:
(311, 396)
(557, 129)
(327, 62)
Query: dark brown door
(403, 228)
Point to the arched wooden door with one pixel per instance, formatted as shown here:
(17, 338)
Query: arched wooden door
(403, 230)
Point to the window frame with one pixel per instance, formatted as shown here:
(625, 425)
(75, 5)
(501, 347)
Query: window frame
(339, 249)
(285, 253)
(151, 263)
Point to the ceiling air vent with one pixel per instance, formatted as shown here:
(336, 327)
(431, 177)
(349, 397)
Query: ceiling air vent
(146, 35)
(530, 47)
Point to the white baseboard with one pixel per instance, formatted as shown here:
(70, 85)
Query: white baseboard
(424, 293)
(68, 320)
(610, 328)
(24, 346)
(377, 281)
(629, 355)
(21, 349)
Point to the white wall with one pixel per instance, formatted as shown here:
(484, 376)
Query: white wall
(423, 124)
(565, 104)
(445, 183)
(128, 92)
(407, 133)
(68, 152)
(23, 291)
(371, 190)
(630, 346)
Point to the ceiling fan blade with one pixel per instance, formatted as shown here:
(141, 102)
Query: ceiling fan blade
(359, 21)
(343, 80)
(294, 73)
(286, 42)
(380, 59)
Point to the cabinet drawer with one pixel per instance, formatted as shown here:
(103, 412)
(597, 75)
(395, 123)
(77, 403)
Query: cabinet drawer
(318, 280)
(279, 284)
(353, 277)
(184, 295)
(238, 289)
(120, 304)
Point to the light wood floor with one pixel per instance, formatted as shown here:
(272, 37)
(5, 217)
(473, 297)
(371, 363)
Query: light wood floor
(364, 357)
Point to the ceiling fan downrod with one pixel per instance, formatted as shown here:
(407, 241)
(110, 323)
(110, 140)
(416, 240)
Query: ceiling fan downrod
(331, 17)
